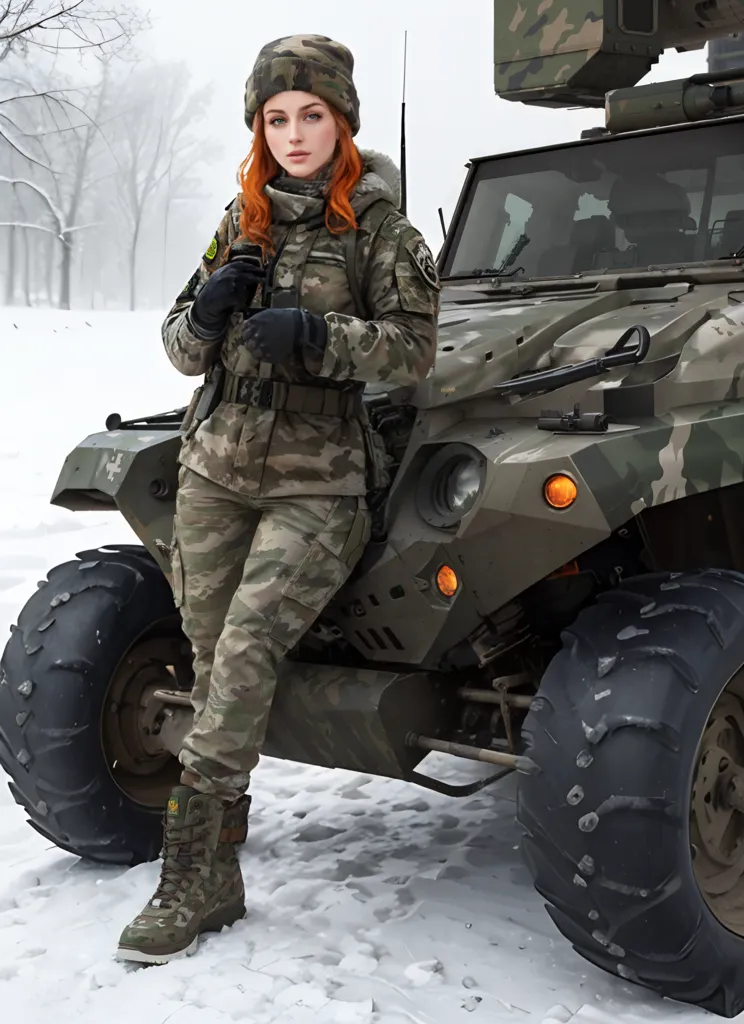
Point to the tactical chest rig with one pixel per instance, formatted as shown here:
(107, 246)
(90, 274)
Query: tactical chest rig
(342, 399)
(326, 398)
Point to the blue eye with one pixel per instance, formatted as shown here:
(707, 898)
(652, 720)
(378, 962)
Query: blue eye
(315, 114)
(275, 120)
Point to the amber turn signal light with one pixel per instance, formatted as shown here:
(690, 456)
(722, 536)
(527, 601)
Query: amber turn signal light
(447, 581)
(560, 491)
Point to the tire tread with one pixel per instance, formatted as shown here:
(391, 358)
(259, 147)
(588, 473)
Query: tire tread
(675, 639)
(49, 737)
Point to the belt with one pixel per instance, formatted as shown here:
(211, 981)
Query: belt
(311, 399)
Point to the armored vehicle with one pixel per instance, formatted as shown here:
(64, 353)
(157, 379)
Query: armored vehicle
(555, 581)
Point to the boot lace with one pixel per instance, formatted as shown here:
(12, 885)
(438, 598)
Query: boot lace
(183, 849)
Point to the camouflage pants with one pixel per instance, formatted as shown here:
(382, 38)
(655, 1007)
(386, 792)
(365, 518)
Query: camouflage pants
(250, 575)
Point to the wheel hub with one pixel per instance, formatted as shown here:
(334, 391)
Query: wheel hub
(717, 820)
(132, 716)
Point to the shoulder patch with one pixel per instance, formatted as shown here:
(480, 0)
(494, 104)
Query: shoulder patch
(211, 252)
(423, 261)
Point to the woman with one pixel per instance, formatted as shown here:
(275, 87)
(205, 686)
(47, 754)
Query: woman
(271, 515)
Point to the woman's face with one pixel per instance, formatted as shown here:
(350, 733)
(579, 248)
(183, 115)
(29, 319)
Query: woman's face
(301, 132)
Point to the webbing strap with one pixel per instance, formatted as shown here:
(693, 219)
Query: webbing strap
(311, 399)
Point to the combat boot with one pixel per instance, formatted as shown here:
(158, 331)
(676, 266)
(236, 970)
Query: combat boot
(201, 886)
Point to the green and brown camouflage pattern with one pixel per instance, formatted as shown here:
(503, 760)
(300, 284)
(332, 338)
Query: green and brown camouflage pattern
(250, 576)
(680, 431)
(677, 434)
(267, 453)
(569, 52)
(307, 63)
(200, 887)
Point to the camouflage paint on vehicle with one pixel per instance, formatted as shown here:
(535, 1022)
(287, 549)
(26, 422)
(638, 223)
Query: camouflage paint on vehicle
(568, 52)
(679, 432)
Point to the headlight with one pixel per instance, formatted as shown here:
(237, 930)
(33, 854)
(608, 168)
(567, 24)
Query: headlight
(457, 486)
(450, 484)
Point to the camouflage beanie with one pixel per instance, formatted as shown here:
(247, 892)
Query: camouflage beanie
(313, 64)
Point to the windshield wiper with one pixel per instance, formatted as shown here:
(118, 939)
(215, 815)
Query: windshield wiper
(485, 272)
(621, 354)
(511, 257)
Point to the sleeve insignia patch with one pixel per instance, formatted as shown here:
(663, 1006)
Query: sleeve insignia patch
(423, 261)
(211, 252)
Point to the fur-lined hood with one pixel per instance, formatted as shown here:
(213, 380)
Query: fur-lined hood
(381, 179)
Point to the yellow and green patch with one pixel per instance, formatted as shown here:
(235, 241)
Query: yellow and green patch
(211, 252)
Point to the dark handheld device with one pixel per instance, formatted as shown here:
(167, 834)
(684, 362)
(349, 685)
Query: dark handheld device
(251, 255)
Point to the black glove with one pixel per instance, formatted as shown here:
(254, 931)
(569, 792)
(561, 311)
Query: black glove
(231, 289)
(275, 335)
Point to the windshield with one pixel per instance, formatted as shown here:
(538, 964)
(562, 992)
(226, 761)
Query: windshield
(621, 203)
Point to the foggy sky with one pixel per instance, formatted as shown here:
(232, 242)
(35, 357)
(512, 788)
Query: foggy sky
(452, 111)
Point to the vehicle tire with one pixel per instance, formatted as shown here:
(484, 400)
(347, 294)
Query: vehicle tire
(93, 639)
(634, 823)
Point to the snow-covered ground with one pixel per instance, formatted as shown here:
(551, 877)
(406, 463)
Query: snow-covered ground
(369, 901)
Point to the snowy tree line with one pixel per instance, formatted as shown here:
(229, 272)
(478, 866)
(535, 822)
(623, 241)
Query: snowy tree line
(101, 151)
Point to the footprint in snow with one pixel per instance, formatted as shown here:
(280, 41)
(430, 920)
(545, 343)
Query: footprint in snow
(317, 834)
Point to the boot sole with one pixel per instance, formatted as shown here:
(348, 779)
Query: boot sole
(222, 918)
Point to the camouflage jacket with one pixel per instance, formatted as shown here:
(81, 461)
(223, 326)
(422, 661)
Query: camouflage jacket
(267, 453)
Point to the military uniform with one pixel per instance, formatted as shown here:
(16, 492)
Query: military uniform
(271, 514)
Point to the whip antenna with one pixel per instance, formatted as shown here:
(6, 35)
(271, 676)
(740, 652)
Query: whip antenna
(403, 174)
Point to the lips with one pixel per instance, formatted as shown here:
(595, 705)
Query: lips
(299, 153)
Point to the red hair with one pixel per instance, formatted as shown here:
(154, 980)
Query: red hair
(259, 167)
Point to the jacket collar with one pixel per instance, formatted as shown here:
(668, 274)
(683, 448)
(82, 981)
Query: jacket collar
(380, 180)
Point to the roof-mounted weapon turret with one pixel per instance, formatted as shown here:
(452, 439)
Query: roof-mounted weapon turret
(562, 53)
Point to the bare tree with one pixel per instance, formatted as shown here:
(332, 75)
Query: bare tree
(68, 144)
(85, 159)
(48, 28)
(60, 227)
(157, 150)
(56, 25)
(114, 151)
(35, 102)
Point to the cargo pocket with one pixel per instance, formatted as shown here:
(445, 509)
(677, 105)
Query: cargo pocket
(176, 570)
(323, 571)
(243, 453)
